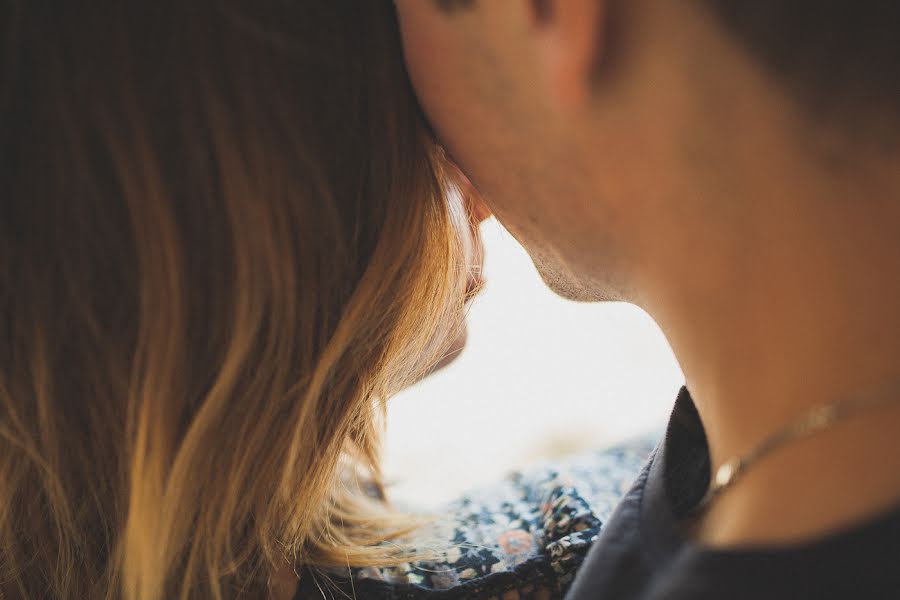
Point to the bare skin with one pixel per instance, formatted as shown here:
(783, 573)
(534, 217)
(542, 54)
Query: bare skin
(640, 154)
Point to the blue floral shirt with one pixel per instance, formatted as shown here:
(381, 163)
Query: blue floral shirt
(529, 532)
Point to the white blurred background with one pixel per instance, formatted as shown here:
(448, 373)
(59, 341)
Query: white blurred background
(541, 377)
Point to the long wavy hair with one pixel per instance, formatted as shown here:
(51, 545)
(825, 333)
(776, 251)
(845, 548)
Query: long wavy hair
(225, 238)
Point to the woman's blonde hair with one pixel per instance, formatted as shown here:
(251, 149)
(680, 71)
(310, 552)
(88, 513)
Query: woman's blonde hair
(225, 237)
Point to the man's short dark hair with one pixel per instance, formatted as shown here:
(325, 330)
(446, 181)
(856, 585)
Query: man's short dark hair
(840, 58)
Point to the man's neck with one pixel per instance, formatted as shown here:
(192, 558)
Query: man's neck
(794, 311)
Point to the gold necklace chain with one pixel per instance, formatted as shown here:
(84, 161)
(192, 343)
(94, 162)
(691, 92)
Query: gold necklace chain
(814, 421)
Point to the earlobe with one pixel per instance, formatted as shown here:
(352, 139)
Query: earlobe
(570, 44)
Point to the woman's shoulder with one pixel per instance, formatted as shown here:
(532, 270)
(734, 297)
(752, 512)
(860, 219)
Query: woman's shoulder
(527, 532)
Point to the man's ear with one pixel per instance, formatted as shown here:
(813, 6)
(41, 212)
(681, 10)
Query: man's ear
(570, 44)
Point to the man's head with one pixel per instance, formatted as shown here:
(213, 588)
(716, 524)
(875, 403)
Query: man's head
(624, 142)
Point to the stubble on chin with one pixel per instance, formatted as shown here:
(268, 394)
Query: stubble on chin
(571, 286)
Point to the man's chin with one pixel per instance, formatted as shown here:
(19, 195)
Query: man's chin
(566, 285)
(563, 284)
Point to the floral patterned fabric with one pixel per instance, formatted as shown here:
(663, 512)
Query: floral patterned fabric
(529, 532)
